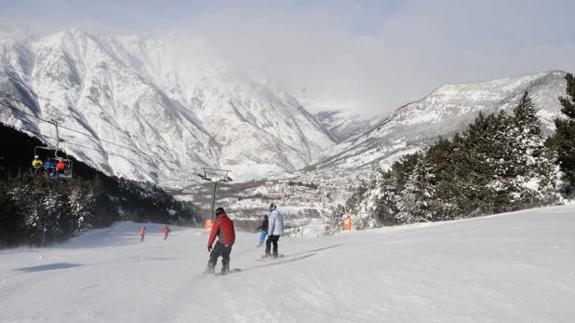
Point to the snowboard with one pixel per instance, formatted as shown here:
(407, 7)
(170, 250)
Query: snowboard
(219, 273)
(232, 271)
(272, 258)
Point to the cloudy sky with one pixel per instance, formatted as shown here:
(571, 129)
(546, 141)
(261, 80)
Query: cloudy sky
(367, 56)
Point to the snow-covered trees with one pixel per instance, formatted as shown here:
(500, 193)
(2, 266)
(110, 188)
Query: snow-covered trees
(500, 163)
(29, 206)
(417, 199)
(34, 205)
(563, 141)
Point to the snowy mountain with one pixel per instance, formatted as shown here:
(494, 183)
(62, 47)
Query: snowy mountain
(152, 108)
(343, 125)
(445, 111)
(515, 267)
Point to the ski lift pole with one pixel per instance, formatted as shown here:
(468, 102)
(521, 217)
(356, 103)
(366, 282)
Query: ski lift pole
(42, 244)
(57, 138)
(214, 175)
(56, 124)
(214, 200)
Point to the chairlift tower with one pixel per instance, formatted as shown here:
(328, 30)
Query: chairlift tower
(215, 175)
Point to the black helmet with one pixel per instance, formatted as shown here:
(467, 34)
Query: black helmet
(272, 206)
(220, 210)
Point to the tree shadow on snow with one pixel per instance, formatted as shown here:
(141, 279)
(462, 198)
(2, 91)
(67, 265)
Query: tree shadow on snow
(55, 266)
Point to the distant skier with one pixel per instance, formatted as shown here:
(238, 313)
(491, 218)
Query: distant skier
(142, 233)
(166, 230)
(275, 230)
(223, 228)
(263, 229)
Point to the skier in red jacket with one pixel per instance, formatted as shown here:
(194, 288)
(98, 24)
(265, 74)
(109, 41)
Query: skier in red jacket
(166, 230)
(224, 229)
(142, 233)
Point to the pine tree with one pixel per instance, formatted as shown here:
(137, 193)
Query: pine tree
(536, 175)
(417, 198)
(364, 205)
(563, 141)
(387, 198)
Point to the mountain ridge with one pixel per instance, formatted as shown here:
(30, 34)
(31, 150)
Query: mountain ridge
(443, 112)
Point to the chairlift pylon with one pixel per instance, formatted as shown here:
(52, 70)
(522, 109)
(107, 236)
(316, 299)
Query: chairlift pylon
(215, 175)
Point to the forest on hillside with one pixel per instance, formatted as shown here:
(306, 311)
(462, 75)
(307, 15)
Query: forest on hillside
(38, 209)
(500, 163)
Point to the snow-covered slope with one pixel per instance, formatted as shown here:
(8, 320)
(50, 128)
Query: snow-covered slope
(344, 125)
(515, 267)
(153, 108)
(445, 111)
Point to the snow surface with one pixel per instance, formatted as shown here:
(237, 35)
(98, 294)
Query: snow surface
(516, 267)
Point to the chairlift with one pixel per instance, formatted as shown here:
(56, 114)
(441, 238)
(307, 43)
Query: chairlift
(66, 171)
(51, 157)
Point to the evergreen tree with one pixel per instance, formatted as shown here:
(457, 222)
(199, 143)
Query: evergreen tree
(563, 141)
(387, 198)
(417, 197)
(536, 176)
(364, 206)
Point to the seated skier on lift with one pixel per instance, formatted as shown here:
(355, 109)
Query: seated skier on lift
(49, 167)
(60, 167)
(37, 165)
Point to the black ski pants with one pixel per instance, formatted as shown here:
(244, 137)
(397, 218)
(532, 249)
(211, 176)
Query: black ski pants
(220, 249)
(272, 240)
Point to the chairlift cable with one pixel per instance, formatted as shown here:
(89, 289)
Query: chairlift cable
(76, 144)
(76, 131)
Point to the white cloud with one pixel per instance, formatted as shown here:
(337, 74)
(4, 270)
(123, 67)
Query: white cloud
(365, 55)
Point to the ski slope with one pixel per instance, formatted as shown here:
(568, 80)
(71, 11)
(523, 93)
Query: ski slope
(516, 267)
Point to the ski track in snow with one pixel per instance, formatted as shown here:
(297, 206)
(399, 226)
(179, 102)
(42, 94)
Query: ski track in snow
(516, 267)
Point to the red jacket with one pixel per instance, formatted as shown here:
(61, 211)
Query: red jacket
(224, 229)
(60, 165)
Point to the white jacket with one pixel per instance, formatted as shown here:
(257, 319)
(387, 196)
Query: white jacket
(276, 223)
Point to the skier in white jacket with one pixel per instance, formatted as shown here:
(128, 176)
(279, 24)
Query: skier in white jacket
(275, 230)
